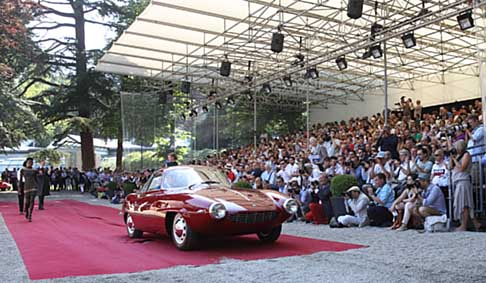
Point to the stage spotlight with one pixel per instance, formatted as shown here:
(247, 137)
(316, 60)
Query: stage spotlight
(311, 73)
(230, 100)
(185, 86)
(466, 20)
(341, 63)
(218, 105)
(355, 9)
(376, 51)
(205, 109)
(287, 81)
(277, 42)
(366, 54)
(266, 88)
(225, 68)
(409, 40)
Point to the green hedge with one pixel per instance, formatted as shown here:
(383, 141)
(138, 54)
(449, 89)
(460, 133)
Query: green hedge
(242, 185)
(128, 188)
(342, 183)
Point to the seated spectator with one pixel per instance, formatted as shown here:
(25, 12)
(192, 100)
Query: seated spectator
(358, 203)
(431, 202)
(423, 164)
(379, 213)
(403, 206)
(268, 176)
(281, 187)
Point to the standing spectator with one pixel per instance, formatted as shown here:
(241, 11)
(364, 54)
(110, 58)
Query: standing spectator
(171, 160)
(29, 175)
(440, 174)
(418, 112)
(43, 184)
(379, 213)
(423, 164)
(463, 197)
(388, 142)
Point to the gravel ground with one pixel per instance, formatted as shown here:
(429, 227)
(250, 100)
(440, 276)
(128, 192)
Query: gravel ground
(390, 257)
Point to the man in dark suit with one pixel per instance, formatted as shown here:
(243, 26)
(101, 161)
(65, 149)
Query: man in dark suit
(44, 184)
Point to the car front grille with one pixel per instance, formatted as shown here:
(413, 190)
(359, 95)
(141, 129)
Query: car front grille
(253, 217)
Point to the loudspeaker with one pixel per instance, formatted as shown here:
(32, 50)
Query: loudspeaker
(225, 69)
(277, 42)
(186, 86)
(355, 9)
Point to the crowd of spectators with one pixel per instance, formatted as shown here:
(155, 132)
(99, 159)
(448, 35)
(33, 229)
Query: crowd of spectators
(403, 168)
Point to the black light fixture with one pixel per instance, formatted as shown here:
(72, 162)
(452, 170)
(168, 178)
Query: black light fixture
(355, 9)
(342, 63)
(230, 100)
(277, 41)
(225, 68)
(266, 88)
(375, 28)
(205, 109)
(185, 86)
(218, 105)
(366, 54)
(409, 40)
(376, 51)
(249, 96)
(311, 73)
(287, 81)
(466, 20)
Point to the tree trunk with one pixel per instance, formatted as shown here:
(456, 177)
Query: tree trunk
(82, 86)
(119, 148)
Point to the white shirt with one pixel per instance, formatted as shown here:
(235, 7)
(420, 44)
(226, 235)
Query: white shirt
(440, 175)
(401, 171)
(292, 169)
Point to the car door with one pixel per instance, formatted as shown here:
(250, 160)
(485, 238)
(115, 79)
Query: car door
(147, 219)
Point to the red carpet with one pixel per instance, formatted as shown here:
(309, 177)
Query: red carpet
(72, 238)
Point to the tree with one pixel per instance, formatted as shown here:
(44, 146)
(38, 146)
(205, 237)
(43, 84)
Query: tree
(84, 95)
(18, 54)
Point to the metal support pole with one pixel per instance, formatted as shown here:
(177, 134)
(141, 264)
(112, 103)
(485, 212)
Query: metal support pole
(254, 121)
(386, 83)
(307, 114)
(481, 46)
(217, 131)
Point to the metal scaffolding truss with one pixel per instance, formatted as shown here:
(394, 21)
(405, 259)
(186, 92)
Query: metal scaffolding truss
(188, 40)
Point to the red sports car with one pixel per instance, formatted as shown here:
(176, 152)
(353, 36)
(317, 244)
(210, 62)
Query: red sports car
(191, 202)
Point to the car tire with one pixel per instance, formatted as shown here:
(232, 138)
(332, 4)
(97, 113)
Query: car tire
(271, 236)
(131, 230)
(182, 235)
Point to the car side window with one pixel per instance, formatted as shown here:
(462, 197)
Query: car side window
(175, 179)
(156, 183)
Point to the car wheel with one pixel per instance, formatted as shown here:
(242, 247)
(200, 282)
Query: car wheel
(271, 236)
(182, 235)
(131, 230)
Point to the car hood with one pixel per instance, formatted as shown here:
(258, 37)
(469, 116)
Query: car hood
(237, 199)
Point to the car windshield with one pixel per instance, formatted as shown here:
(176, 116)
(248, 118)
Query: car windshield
(183, 177)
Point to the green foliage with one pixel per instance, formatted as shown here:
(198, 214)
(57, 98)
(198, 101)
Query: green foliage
(341, 183)
(51, 156)
(242, 185)
(133, 162)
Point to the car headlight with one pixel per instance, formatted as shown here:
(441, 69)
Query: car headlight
(291, 206)
(217, 210)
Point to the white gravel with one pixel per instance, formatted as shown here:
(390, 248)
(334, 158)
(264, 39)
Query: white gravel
(390, 257)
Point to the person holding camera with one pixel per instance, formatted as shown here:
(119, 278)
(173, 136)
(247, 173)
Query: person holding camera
(404, 167)
(358, 203)
(461, 178)
(430, 200)
(379, 213)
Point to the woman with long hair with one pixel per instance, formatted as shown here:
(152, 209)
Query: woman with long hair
(461, 178)
(29, 177)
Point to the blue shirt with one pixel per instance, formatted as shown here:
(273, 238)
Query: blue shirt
(386, 195)
(268, 177)
(434, 198)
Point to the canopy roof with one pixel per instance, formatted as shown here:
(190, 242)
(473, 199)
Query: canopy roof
(174, 40)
